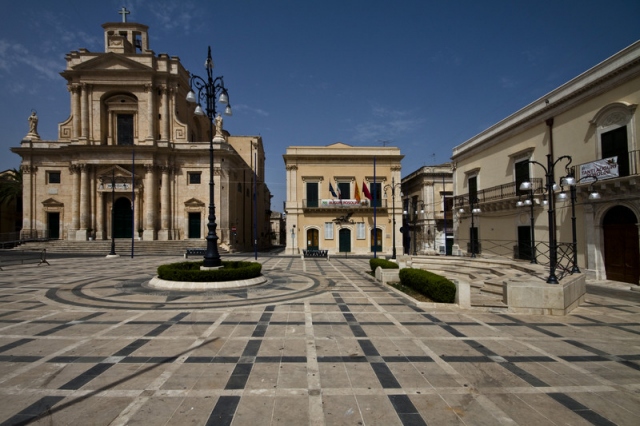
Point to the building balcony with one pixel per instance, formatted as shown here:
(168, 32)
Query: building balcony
(497, 194)
(351, 205)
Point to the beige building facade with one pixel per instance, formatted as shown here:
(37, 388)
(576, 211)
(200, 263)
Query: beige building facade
(588, 126)
(340, 198)
(132, 159)
(427, 200)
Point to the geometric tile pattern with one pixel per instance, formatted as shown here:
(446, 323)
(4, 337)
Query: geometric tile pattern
(320, 343)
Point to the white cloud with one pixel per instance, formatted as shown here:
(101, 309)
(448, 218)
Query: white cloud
(247, 108)
(14, 55)
(387, 124)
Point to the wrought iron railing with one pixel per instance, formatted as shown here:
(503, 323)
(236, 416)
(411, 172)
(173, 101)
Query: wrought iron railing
(346, 204)
(509, 249)
(499, 192)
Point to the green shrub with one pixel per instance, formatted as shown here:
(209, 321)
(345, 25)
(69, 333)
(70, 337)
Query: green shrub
(434, 286)
(383, 263)
(190, 271)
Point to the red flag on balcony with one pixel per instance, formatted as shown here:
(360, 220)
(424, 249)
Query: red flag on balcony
(365, 191)
(357, 196)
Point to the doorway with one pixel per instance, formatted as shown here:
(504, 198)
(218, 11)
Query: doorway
(376, 240)
(312, 239)
(345, 240)
(524, 243)
(53, 225)
(122, 218)
(194, 225)
(621, 251)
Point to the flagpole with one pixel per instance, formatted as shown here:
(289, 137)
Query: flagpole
(375, 227)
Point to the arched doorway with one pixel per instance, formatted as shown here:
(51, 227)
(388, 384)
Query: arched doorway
(621, 251)
(312, 239)
(344, 237)
(122, 215)
(376, 240)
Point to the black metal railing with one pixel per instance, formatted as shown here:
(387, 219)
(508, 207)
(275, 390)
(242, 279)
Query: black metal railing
(14, 239)
(345, 204)
(494, 193)
(508, 249)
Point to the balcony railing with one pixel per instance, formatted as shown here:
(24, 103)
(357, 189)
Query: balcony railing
(346, 204)
(499, 192)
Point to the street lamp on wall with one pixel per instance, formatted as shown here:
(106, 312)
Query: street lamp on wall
(209, 91)
(393, 187)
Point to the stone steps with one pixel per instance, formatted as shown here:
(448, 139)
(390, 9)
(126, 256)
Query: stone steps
(122, 247)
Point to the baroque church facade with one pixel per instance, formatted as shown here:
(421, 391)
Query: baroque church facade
(132, 159)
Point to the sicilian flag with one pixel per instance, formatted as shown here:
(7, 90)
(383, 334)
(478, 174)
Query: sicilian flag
(357, 195)
(365, 191)
(333, 193)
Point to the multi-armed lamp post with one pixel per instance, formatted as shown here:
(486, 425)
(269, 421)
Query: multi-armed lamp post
(209, 91)
(393, 211)
(550, 185)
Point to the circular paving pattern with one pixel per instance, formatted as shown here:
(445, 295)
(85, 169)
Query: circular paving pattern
(131, 293)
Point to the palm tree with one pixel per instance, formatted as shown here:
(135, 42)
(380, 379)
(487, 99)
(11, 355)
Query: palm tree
(11, 186)
(10, 203)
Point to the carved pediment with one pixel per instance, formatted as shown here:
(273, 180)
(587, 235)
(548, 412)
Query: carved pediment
(339, 145)
(111, 61)
(193, 202)
(51, 202)
(116, 170)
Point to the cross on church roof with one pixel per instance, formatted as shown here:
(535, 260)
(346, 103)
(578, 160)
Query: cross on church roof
(124, 12)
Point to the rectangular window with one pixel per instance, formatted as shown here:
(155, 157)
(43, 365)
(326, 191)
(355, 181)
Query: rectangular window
(194, 178)
(312, 194)
(345, 190)
(376, 194)
(328, 230)
(53, 177)
(124, 124)
(360, 231)
(522, 175)
(473, 189)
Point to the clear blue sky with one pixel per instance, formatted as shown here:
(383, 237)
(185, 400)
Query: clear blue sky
(423, 75)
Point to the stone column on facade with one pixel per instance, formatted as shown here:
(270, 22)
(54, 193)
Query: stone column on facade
(151, 114)
(292, 231)
(100, 230)
(75, 201)
(85, 112)
(150, 205)
(165, 113)
(75, 110)
(165, 203)
(84, 213)
(27, 199)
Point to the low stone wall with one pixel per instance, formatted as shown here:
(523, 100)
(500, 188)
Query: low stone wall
(540, 298)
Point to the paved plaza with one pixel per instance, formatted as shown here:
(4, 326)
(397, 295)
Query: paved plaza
(84, 342)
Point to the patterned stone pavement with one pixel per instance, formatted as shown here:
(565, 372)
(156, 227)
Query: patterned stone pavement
(82, 341)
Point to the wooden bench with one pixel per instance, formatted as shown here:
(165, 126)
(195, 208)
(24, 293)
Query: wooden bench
(21, 257)
(194, 252)
(315, 253)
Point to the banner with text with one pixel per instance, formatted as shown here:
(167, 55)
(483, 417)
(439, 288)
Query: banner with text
(606, 168)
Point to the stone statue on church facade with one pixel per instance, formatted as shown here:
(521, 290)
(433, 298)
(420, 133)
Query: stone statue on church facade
(33, 126)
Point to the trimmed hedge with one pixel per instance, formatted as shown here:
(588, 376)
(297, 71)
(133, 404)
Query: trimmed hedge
(383, 263)
(434, 286)
(190, 271)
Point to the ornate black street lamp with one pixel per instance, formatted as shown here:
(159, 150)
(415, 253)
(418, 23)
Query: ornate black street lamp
(562, 196)
(393, 211)
(208, 91)
(550, 186)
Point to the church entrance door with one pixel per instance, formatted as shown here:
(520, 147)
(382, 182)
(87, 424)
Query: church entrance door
(122, 215)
